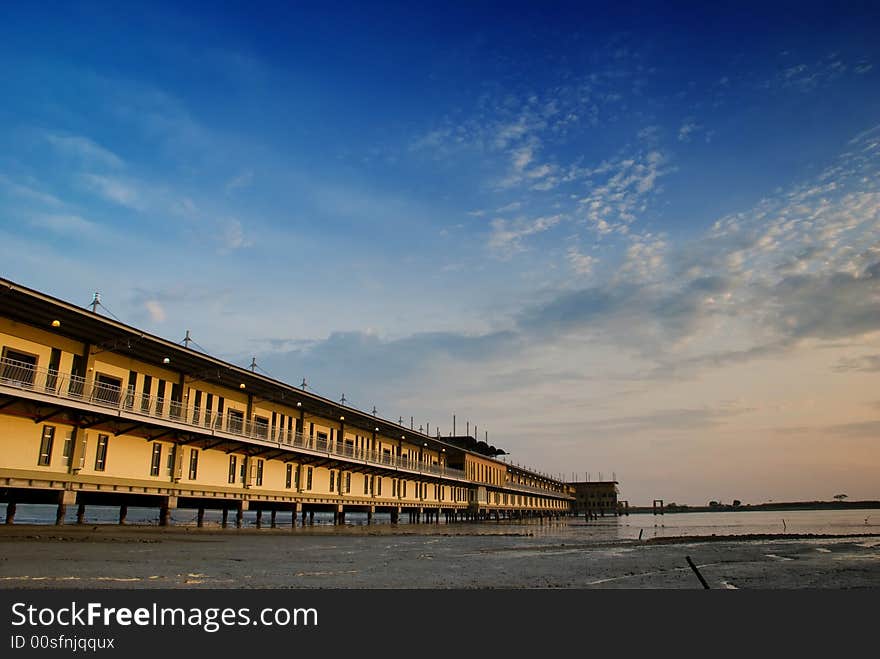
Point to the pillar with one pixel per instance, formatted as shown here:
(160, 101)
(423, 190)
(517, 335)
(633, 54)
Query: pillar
(123, 513)
(225, 521)
(169, 503)
(395, 515)
(200, 520)
(65, 498)
(272, 518)
(80, 513)
(10, 512)
(239, 513)
(259, 518)
(311, 518)
(370, 512)
(297, 507)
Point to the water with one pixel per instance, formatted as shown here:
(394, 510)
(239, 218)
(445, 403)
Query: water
(628, 527)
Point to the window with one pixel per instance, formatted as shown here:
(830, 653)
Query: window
(261, 427)
(366, 484)
(296, 476)
(379, 486)
(332, 480)
(288, 476)
(197, 408)
(404, 488)
(193, 463)
(160, 398)
(18, 367)
(176, 407)
(67, 450)
(75, 388)
(156, 461)
(45, 456)
(101, 452)
(171, 457)
(321, 441)
(235, 421)
(54, 362)
(309, 479)
(348, 483)
(233, 460)
(145, 396)
(129, 392)
(394, 487)
(259, 472)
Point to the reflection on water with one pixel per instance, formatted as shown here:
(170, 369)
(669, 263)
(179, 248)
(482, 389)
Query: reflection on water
(628, 527)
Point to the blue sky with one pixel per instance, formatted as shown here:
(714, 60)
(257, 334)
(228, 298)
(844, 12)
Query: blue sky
(643, 240)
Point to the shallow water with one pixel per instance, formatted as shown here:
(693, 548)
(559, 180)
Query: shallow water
(628, 527)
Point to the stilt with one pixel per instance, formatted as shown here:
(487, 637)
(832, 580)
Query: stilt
(64, 498)
(311, 518)
(123, 513)
(259, 518)
(200, 518)
(239, 516)
(225, 521)
(272, 518)
(80, 513)
(10, 512)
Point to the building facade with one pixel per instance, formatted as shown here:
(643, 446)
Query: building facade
(93, 411)
(595, 498)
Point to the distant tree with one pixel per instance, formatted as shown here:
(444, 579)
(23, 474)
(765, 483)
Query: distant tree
(737, 503)
(840, 497)
(714, 504)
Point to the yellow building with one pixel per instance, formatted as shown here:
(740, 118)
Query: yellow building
(93, 411)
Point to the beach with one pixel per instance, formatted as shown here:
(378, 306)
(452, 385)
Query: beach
(568, 553)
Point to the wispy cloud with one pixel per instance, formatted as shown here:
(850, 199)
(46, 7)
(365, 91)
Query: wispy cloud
(506, 237)
(85, 150)
(28, 191)
(114, 189)
(688, 129)
(241, 181)
(73, 225)
(864, 363)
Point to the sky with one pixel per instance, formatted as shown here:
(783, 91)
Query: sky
(638, 242)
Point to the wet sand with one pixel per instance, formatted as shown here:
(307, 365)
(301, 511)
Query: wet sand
(465, 556)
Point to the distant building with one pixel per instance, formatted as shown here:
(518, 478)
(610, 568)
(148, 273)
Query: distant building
(595, 497)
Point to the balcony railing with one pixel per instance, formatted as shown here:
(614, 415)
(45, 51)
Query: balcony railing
(22, 375)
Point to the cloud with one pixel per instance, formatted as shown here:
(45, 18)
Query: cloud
(87, 151)
(116, 190)
(582, 264)
(27, 191)
(154, 308)
(241, 181)
(864, 363)
(65, 224)
(506, 237)
(619, 191)
(687, 130)
(233, 237)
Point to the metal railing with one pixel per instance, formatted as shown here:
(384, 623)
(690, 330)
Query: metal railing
(22, 375)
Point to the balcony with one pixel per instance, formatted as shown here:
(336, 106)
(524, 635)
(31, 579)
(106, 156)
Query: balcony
(25, 378)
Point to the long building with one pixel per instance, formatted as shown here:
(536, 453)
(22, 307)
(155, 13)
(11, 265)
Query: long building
(96, 412)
